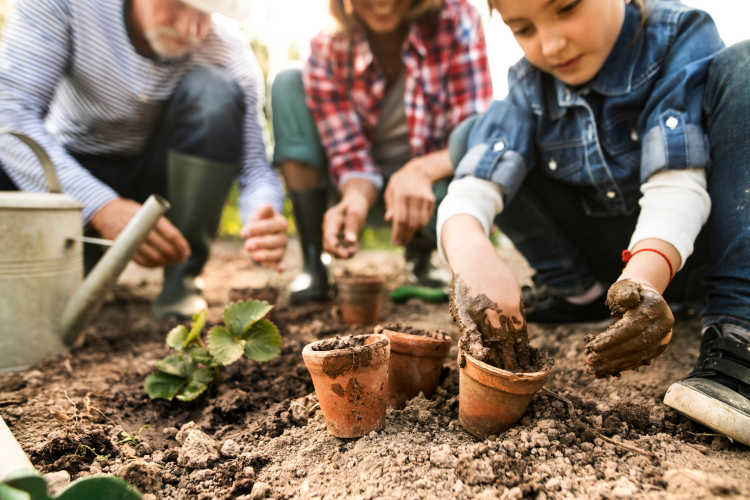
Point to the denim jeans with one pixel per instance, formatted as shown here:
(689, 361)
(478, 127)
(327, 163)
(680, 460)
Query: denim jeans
(204, 118)
(570, 250)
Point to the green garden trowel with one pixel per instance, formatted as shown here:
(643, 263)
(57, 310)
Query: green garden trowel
(20, 481)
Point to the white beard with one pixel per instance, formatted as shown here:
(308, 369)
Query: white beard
(160, 41)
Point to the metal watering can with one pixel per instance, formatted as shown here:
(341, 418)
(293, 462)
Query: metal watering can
(44, 301)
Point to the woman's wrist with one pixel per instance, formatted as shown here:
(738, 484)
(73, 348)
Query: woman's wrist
(433, 166)
(359, 191)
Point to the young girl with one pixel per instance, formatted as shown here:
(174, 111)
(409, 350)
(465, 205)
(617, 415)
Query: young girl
(616, 119)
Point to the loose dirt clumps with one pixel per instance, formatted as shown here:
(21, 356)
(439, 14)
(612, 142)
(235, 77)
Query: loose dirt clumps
(340, 343)
(271, 413)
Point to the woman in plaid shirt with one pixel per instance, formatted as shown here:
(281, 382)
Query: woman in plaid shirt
(375, 104)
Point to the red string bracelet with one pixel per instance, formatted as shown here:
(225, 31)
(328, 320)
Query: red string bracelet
(627, 255)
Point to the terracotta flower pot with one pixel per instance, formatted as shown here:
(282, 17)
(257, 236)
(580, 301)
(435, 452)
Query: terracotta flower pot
(360, 298)
(350, 382)
(415, 365)
(269, 293)
(491, 400)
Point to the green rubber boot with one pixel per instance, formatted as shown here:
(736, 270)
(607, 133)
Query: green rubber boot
(197, 191)
(312, 284)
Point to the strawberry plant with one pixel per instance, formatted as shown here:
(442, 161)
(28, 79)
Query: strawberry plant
(189, 372)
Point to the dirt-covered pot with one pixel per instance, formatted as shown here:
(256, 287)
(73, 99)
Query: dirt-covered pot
(491, 400)
(351, 383)
(360, 298)
(415, 365)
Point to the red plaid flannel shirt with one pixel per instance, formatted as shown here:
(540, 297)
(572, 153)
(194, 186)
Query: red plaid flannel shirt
(447, 80)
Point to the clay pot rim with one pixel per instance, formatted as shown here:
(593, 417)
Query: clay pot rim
(416, 338)
(521, 376)
(416, 345)
(360, 279)
(382, 342)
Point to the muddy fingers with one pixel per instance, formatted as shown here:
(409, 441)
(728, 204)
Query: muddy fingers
(488, 335)
(636, 338)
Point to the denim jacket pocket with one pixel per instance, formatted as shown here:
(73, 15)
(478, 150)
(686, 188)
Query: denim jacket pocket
(561, 159)
(620, 134)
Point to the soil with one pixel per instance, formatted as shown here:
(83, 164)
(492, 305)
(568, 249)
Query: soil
(261, 434)
(410, 330)
(340, 343)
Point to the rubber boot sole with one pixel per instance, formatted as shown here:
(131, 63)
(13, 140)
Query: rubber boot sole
(709, 411)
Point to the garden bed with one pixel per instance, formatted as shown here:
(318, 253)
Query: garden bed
(260, 434)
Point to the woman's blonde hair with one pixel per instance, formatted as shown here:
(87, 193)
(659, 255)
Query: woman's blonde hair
(343, 12)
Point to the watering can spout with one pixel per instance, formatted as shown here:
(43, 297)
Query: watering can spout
(87, 299)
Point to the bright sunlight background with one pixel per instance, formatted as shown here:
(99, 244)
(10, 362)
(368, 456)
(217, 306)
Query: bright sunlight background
(284, 27)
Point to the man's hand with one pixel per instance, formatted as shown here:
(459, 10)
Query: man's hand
(409, 202)
(343, 222)
(265, 237)
(641, 333)
(164, 245)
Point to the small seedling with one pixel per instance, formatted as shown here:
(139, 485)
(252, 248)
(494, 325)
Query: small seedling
(188, 373)
(132, 438)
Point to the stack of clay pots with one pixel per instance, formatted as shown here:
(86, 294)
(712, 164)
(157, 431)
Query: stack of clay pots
(356, 378)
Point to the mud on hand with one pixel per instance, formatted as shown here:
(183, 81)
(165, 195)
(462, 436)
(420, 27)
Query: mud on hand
(642, 321)
(486, 333)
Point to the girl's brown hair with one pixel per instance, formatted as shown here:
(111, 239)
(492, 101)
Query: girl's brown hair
(343, 12)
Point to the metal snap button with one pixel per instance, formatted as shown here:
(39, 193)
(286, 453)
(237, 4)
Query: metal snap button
(611, 194)
(552, 164)
(499, 146)
(672, 122)
(585, 92)
(634, 135)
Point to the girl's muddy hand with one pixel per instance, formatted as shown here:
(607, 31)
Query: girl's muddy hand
(487, 334)
(641, 332)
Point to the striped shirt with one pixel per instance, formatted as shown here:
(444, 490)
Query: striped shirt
(71, 79)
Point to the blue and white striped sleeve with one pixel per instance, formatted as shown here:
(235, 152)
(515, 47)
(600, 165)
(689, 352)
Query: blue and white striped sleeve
(35, 53)
(258, 181)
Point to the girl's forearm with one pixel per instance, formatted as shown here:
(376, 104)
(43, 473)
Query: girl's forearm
(463, 235)
(435, 166)
(650, 267)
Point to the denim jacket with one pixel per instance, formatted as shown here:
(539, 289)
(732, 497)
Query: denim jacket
(641, 114)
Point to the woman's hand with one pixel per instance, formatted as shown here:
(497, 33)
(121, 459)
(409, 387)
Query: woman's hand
(642, 330)
(343, 222)
(164, 245)
(265, 237)
(409, 200)
(485, 296)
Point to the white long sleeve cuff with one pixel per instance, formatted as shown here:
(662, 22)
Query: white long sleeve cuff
(469, 195)
(674, 207)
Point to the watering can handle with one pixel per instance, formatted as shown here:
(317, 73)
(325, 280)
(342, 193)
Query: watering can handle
(53, 183)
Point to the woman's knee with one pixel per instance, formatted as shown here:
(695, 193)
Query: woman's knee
(729, 77)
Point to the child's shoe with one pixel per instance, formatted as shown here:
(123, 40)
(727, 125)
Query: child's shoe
(717, 392)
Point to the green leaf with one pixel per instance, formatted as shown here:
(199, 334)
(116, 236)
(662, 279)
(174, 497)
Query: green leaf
(223, 346)
(180, 365)
(177, 337)
(263, 341)
(196, 385)
(199, 322)
(240, 315)
(163, 385)
(200, 354)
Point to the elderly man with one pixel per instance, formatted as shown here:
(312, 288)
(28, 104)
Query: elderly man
(133, 97)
